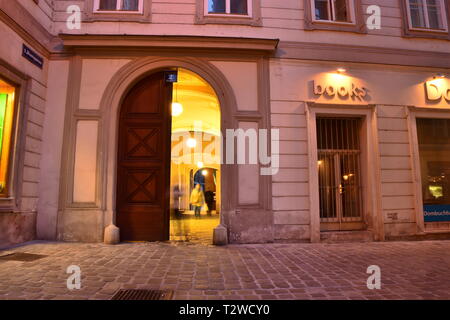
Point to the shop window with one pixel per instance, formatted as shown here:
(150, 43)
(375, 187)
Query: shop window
(118, 10)
(245, 12)
(339, 15)
(434, 153)
(7, 103)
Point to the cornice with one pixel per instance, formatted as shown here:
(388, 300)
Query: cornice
(15, 16)
(186, 42)
(362, 54)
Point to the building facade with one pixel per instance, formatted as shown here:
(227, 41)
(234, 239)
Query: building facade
(355, 92)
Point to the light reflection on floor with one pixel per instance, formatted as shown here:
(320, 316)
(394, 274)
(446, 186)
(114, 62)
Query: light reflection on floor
(192, 229)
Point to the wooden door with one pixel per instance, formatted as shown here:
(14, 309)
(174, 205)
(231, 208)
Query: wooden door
(143, 177)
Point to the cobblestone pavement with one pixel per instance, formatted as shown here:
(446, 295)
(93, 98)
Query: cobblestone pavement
(409, 270)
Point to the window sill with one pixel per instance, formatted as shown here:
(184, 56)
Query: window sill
(426, 33)
(117, 17)
(335, 26)
(228, 19)
(7, 205)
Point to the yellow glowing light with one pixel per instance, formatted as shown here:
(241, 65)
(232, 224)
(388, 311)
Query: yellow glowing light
(320, 162)
(191, 143)
(177, 109)
(345, 177)
(205, 172)
(200, 164)
(341, 70)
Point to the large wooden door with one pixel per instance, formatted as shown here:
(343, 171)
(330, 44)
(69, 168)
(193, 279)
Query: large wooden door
(143, 177)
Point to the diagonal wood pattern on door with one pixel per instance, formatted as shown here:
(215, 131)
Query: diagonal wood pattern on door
(143, 176)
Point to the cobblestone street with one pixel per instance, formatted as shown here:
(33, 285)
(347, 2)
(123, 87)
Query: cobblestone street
(409, 270)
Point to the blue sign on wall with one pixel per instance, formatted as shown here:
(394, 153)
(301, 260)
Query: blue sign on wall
(32, 56)
(437, 212)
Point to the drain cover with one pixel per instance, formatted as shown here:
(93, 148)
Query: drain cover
(21, 256)
(141, 294)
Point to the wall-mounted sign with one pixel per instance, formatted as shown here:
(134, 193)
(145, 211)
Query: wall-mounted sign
(438, 212)
(32, 56)
(171, 76)
(340, 90)
(436, 89)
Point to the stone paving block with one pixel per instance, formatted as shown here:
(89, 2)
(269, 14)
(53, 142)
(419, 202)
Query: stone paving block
(410, 270)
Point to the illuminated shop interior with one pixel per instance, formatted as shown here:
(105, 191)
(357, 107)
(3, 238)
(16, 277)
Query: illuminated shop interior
(7, 96)
(195, 131)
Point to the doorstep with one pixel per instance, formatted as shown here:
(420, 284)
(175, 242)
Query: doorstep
(346, 236)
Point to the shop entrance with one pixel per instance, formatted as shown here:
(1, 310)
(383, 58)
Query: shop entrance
(338, 144)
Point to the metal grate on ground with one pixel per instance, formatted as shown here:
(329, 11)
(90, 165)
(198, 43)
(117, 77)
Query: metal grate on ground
(142, 294)
(21, 256)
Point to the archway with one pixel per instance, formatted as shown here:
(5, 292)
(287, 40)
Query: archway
(196, 134)
(111, 102)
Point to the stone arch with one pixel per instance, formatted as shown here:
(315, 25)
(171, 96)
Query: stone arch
(110, 105)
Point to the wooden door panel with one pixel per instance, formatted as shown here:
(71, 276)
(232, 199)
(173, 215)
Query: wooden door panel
(143, 142)
(143, 173)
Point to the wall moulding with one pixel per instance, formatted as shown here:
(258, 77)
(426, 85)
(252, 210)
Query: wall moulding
(185, 42)
(362, 54)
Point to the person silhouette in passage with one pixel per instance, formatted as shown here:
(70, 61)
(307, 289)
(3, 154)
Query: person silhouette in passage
(197, 199)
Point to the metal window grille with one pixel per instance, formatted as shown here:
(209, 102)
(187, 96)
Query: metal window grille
(338, 145)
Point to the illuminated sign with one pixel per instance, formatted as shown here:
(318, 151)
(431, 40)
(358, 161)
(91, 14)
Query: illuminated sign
(433, 213)
(436, 89)
(340, 90)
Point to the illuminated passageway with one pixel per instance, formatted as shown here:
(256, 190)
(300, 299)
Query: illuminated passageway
(195, 159)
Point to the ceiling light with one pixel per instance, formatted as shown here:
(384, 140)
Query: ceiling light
(191, 143)
(341, 70)
(177, 109)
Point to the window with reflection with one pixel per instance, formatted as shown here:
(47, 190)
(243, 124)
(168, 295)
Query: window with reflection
(427, 14)
(434, 152)
(333, 10)
(234, 7)
(118, 5)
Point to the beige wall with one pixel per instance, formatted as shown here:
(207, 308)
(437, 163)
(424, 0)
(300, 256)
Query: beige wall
(20, 226)
(282, 20)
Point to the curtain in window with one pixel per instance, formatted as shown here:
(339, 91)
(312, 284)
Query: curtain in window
(341, 14)
(130, 5)
(434, 14)
(216, 6)
(108, 5)
(322, 9)
(417, 14)
(238, 7)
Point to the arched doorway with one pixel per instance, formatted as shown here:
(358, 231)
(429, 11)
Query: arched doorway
(151, 186)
